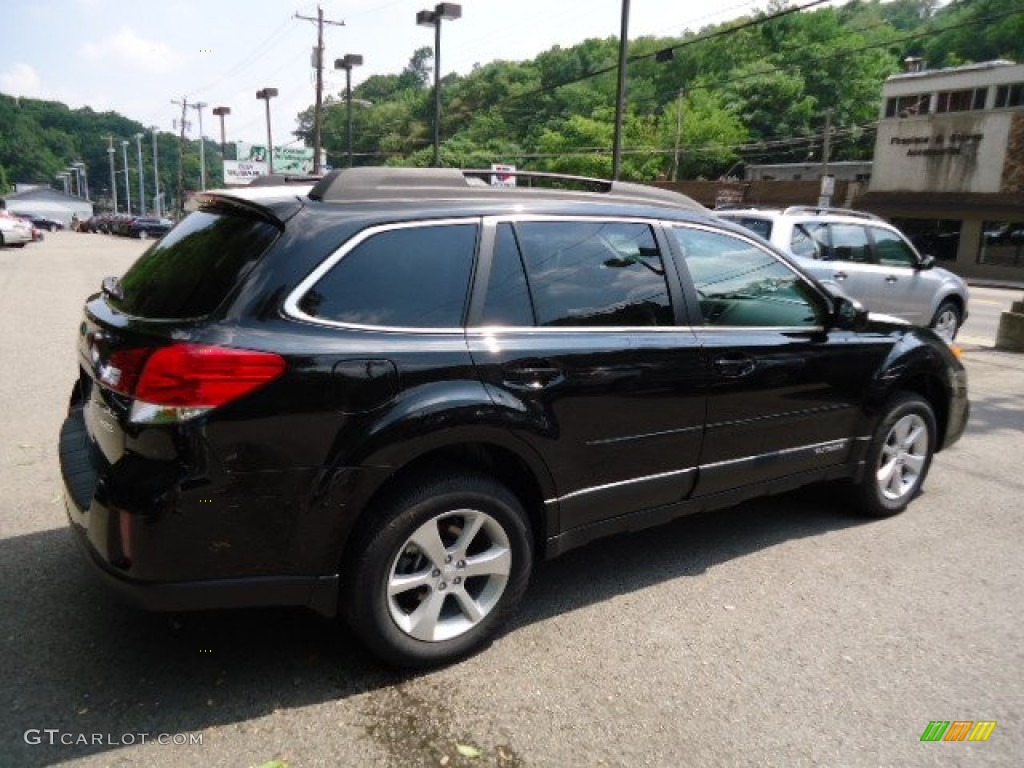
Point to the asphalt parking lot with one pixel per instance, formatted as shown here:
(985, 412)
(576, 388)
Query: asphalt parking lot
(783, 632)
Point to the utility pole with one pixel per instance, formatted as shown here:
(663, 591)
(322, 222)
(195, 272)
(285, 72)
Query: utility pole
(156, 175)
(181, 157)
(113, 179)
(827, 185)
(620, 93)
(198, 107)
(679, 133)
(318, 62)
(826, 143)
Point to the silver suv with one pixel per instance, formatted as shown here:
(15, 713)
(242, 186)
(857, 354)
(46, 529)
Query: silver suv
(868, 258)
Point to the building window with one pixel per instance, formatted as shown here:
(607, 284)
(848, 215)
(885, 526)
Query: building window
(932, 237)
(1002, 244)
(966, 100)
(907, 106)
(1010, 96)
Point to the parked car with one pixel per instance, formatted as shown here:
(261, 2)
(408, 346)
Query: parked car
(14, 231)
(144, 227)
(870, 259)
(42, 222)
(386, 395)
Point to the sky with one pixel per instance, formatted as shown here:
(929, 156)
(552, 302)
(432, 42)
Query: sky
(136, 57)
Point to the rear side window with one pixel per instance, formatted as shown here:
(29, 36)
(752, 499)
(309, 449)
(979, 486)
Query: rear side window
(192, 270)
(850, 243)
(762, 227)
(810, 239)
(604, 273)
(413, 277)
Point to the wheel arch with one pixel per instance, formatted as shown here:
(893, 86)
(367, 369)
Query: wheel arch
(930, 387)
(523, 473)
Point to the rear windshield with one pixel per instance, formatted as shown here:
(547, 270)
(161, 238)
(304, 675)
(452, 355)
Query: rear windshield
(192, 270)
(763, 227)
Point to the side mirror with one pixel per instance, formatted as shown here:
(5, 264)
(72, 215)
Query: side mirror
(848, 314)
(927, 262)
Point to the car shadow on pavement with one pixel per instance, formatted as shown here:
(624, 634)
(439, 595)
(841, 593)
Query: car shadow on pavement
(77, 661)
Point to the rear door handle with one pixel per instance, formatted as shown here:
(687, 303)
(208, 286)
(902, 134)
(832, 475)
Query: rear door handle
(840, 275)
(734, 366)
(533, 377)
(891, 279)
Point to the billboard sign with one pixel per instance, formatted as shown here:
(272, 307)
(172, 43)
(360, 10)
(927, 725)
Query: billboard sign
(290, 160)
(243, 171)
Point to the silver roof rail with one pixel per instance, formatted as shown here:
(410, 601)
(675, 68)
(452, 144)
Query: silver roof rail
(818, 211)
(385, 183)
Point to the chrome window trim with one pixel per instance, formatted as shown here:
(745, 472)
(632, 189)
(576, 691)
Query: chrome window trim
(291, 303)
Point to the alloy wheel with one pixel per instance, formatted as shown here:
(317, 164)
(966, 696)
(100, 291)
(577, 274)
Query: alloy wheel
(449, 575)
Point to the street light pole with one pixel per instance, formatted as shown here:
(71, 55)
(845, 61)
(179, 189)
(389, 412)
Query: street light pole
(156, 174)
(267, 94)
(76, 185)
(127, 186)
(142, 184)
(221, 112)
(350, 60)
(63, 177)
(450, 11)
(85, 177)
(113, 179)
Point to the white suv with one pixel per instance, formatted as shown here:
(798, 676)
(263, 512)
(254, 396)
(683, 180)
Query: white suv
(868, 258)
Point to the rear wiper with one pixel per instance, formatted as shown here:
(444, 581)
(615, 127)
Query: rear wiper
(112, 287)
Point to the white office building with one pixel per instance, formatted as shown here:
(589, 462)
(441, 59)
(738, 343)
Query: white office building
(949, 165)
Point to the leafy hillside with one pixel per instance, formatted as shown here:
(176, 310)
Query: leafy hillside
(753, 90)
(756, 89)
(39, 139)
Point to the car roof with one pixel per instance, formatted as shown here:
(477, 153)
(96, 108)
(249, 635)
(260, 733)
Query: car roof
(474, 185)
(799, 211)
(376, 192)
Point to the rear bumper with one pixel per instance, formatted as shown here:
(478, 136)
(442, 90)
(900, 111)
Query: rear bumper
(97, 529)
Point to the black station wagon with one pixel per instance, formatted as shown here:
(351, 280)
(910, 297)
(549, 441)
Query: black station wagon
(387, 394)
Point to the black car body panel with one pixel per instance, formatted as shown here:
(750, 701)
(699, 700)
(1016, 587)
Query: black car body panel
(598, 429)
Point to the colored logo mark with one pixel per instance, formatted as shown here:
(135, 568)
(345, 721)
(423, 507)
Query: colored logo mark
(958, 730)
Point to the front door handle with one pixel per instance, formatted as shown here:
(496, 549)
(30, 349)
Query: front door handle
(533, 377)
(840, 275)
(734, 366)
(891, 279)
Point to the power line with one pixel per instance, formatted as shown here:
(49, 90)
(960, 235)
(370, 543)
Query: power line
(661, 52)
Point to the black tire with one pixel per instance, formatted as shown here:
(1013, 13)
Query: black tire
(947, 320)
(899, 456)
(445, 504)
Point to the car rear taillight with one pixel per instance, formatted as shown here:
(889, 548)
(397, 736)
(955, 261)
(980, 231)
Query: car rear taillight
(181, 381)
